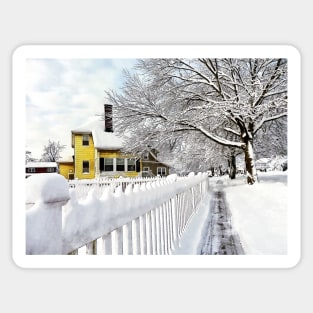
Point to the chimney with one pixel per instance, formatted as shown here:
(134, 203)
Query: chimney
(108, 118)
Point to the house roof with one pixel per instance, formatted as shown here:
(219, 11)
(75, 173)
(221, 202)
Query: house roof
(41, 164)
(102, 140)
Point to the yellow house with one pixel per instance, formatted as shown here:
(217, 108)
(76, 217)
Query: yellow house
(97, 153)
(66, 167)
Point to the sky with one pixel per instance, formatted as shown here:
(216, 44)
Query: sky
(63, 94)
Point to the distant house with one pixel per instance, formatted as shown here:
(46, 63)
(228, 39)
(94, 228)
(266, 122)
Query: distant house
(32, 168)
(151, 166)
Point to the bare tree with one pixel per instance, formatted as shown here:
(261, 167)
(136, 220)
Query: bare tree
(227, 101)
(52, 151)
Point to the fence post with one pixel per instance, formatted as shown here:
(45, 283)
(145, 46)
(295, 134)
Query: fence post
(117, 241)
(143, 235)
(127, 239)
(174, 219)
(153, 232)
(107, 244)
(48, 193)
(136, 236)
(91, 248)
(149, 233)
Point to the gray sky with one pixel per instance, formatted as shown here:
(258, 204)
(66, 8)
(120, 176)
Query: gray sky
(62, 94)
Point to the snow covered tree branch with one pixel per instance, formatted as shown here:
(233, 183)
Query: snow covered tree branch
(225, 101)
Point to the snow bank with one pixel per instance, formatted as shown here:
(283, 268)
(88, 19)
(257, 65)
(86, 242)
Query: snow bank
(192, 239)
(46, 188)
(260, 214)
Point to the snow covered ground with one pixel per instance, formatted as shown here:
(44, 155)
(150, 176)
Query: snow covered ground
(259, 212)
(259, 215)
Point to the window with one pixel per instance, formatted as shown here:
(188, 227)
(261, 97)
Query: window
(120, 166)
(85, 166)
(108, 165)
(131, 166)
(31, 170)
(145, 156)
(51, 170)
(85, 140)
(146, 169)
(161, 171)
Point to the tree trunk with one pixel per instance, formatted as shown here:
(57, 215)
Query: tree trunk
(247, 138)
(250, 164)
(232, 167)
(220, 170)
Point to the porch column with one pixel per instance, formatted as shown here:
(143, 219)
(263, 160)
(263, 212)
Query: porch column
(125, 165)
(97, 163)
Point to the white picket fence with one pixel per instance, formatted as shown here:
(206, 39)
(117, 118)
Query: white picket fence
(83, 186)
(137, 218)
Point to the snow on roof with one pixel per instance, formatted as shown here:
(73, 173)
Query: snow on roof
(41, 164)
(102, 140)
(66, 159)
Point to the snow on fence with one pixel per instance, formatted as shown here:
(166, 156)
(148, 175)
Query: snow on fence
(145, 218)
(82, 187)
